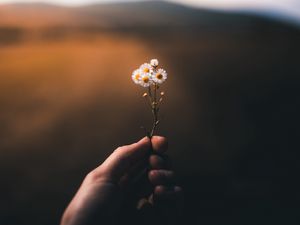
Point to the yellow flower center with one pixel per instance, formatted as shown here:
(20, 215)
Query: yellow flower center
(146, 79)
(137, 76)
(146, 70)
(159, 76)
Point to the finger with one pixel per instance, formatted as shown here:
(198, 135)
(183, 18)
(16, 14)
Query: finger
(170, 200)
(159, 144)
(159, 162)
(156, 162)
(123, 158)
(161, 177)
(140, 169)
(164, 191)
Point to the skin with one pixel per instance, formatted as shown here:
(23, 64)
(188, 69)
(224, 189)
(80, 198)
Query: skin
(120, 192)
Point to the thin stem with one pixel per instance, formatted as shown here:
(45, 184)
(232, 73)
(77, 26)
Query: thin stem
(155, 88)
(154, 111)
(149, 91)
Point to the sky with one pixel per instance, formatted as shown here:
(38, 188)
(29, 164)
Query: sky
(283, 8)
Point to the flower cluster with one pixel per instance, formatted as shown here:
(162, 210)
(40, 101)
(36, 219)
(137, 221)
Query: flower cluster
(148, 74)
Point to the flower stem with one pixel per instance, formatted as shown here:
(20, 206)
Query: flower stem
(154, 111)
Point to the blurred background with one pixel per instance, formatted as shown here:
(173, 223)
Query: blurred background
(231, 112)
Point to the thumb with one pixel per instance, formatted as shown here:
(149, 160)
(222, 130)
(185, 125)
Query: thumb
(123, 158)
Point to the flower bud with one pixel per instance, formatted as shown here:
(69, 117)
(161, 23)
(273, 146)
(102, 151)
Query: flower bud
(154, 62)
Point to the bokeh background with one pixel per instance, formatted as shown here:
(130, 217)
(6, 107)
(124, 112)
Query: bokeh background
(231, 112)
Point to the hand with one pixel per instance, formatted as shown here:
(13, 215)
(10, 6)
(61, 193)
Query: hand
(107, 192)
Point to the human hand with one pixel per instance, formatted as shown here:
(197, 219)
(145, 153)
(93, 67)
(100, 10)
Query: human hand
(106, 191)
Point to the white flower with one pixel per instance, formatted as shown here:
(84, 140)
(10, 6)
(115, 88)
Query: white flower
(136, 76)
(146, 80)
(146, 69)
(160, 76)
(154, 62)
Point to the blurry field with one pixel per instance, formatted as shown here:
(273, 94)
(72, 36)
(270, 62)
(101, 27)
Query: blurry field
(41, 82)
(231, 114)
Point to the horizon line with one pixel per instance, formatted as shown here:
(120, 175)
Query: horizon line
(291, 17)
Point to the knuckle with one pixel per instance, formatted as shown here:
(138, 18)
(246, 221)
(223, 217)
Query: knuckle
(162, 176)
(122, 151)
(90, 177)
(119, 149)
(94, 175)
(152, 174)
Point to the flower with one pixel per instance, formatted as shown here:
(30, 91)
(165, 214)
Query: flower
(146, 80)
(146, 69)
(150, 76)
(136, 76)
(160, 76)
(154, 62)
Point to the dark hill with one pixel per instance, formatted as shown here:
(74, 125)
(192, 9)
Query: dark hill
(120, 15)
